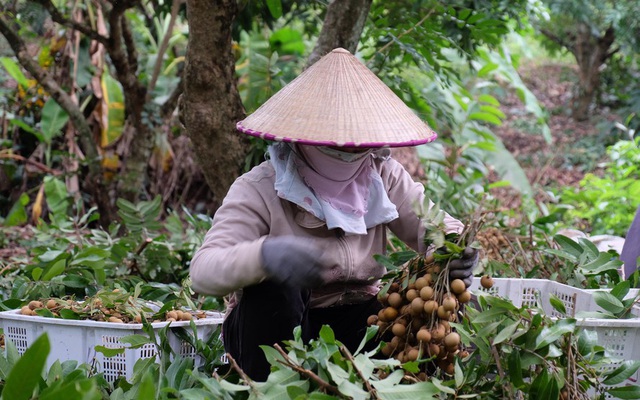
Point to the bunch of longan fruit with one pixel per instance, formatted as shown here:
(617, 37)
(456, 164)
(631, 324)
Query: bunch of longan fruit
(419, 306)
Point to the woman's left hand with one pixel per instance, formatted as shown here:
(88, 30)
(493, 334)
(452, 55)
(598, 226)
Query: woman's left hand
(462, 268)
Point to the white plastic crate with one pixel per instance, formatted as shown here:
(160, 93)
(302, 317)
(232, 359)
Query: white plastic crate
(620, 337)
(77, 339)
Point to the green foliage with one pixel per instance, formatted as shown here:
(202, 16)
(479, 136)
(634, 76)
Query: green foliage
(70, 257)
(608, 203)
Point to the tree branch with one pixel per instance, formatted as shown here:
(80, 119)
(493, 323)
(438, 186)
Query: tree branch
(53, 88)
(342, 27)
(175, 8)
(367, 384)
(324, 385)
(555, 38)
(62, 20)
(130, 45)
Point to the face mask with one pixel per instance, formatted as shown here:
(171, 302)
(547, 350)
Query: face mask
(343, 155)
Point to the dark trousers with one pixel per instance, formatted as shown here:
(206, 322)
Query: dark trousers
(267, 314)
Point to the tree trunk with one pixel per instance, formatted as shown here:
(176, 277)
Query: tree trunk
(591, 52)
(342, 27)
(211, 105)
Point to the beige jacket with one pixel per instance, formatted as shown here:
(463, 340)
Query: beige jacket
(229, 258)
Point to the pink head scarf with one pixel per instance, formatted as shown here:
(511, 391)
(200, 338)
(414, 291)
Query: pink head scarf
(342, 184)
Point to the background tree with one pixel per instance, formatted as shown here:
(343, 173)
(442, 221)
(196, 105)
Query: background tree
(593, 32)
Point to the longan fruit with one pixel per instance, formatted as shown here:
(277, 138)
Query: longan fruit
(411, 294)
(395, 300)
(186, 316)
(429, 259)
(430, 307)
(417, 306)
(423, 335)
(464, 297)
(434, 350)
(386, 350)
(449, 304)
(384, 299)
(179, 314)
(51, 303)
(412, 354)
(426, 293)
(138, 319)
(372, 320)
(399, 329)
(437, 334)
(450, 369)
(172, 314)
(25, 310)
(35, 304)
(443, 313)
(390, 314)
(486, 281)
(421, 282)
(458, 286)
(115, 320)
(452, 340)
(416, 324)
(394, 287)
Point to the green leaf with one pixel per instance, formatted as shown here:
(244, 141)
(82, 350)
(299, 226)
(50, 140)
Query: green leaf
(569, 245)
(109, 351)
(45, 312)
(136, 341)
(147, 387)
(327, 335)
(17, 214)
(66, 313)
(486, 117)
(621, 289)
(515, 369)
(54, 270)
(625, 392)
(557, 304)
(552, 333)
(371, 332)
(36, 273)
(14, 70)
(623, 372)
(275, 8)
(487, 98)
(56, 194)
(506, 332)
(26, 374)
(53, 119)
(420, 390)
(608, 302)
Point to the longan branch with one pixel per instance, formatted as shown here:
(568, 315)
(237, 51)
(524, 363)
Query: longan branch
(240, 372)
(345, 352)
(324, 385)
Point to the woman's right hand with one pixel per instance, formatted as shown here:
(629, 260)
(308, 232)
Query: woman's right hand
(293, 261)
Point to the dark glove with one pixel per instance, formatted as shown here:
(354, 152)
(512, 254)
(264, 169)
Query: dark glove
(292, 261)
(462, 268)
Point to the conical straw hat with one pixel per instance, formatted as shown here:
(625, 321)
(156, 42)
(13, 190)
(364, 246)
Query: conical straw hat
(338, 102)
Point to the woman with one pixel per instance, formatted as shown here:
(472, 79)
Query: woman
(295, 238)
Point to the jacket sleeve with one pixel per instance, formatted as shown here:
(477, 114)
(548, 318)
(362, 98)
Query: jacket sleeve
(229, 257)
(409, 198)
